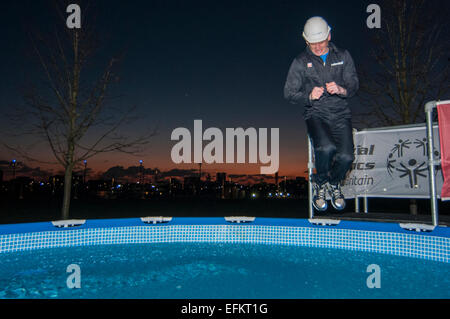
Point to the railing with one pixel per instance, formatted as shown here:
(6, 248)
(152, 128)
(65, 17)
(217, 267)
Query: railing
(310, 173)
(429, 107)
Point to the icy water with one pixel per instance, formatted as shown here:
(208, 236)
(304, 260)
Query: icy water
(194, 270)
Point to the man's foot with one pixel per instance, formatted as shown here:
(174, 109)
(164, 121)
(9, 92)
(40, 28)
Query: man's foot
(319, 199)
(337, 198)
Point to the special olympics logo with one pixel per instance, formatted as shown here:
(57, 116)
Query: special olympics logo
(408, 159)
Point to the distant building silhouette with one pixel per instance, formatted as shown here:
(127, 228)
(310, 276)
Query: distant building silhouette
(276, 182)
(221, 178)
(191, 185)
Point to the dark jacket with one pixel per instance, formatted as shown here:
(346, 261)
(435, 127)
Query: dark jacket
(308, 71)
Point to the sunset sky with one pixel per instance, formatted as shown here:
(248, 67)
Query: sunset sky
(224, 62)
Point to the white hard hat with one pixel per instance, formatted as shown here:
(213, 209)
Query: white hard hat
(316, 30)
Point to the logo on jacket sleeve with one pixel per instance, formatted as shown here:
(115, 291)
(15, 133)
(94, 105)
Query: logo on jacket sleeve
(310, 65)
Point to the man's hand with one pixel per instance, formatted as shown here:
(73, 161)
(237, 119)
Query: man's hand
(333, 88)
(316, 93)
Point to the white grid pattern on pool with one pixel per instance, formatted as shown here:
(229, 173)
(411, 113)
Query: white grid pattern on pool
(425, 247)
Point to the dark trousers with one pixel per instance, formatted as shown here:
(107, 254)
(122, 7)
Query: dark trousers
(332, 140)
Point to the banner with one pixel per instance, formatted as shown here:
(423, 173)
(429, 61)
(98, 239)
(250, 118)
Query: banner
(444, 135)
(392, 162)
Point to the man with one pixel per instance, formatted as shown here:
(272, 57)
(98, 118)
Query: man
(321, 79)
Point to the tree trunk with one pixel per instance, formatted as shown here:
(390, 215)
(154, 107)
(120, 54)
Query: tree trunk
(67, 190)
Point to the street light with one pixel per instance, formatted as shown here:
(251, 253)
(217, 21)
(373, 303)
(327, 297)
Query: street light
(84, 174)
(141, 179)
(141, 172)
(13, 164)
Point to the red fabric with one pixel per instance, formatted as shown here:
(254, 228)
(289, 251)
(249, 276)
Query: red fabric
(444, 135)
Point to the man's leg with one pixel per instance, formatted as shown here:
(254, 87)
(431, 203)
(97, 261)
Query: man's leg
(324, 151)
(342, 134)
(324, 148)
(343, 137)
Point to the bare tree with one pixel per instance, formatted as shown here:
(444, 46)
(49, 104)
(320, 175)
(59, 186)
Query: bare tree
(408, 64)
(73, 115)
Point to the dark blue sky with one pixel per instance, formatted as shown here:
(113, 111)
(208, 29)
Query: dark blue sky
(224, 62)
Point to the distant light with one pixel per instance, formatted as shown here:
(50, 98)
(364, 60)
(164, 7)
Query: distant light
(253, 195)
(118, 186)
(140, 161)
(85, 161)
(13, 160)
(270, 194)
(153, 186)
(41, 183)
(281, 194)
(288, 194)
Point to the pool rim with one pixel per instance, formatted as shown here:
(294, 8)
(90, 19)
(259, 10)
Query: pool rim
(353, 235)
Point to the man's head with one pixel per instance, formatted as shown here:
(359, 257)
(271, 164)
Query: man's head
(317, 34)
